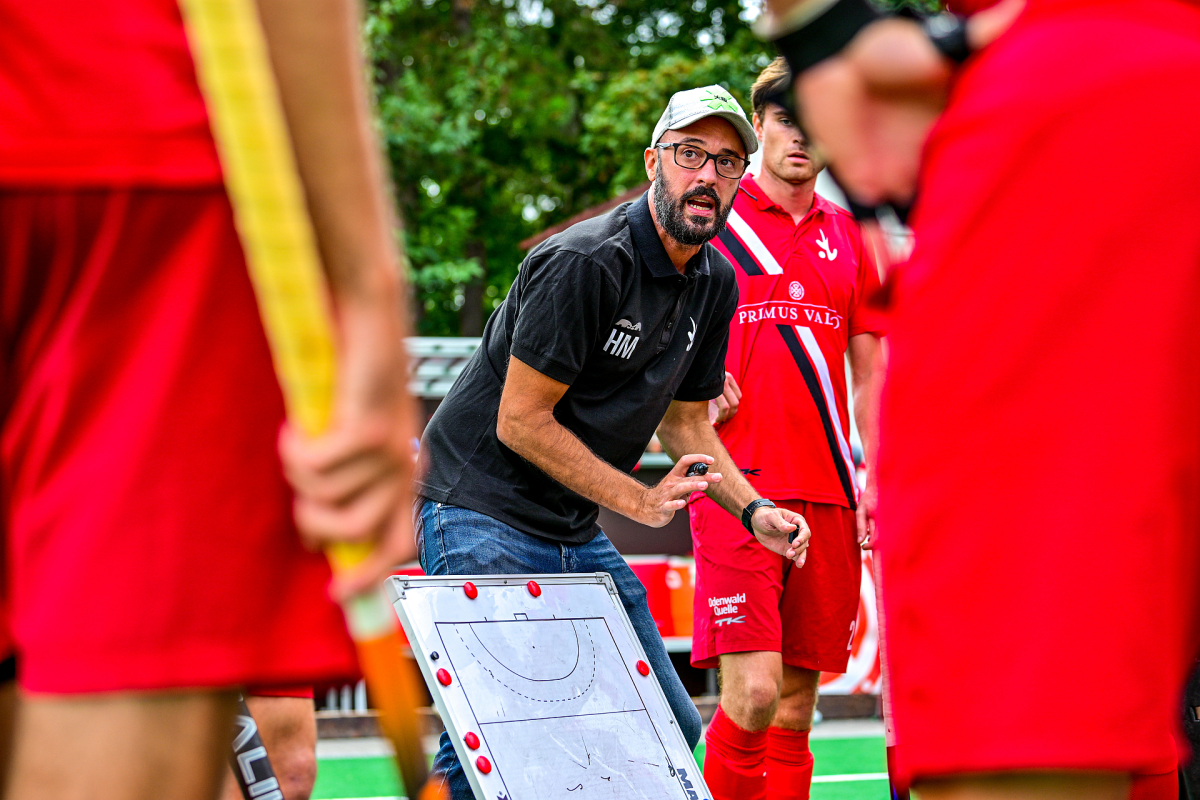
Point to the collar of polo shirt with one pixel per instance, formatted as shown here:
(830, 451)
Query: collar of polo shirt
(762, 202)
(645, 237)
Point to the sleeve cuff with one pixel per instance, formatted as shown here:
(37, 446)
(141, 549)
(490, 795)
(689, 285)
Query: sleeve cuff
(548, 367)
(702, 394)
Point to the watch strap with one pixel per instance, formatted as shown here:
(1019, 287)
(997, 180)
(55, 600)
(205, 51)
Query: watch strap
(948, 33)
(754, 505)
(825, 35)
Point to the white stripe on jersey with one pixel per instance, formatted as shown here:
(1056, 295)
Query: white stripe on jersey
(814, 353)
(751, 240)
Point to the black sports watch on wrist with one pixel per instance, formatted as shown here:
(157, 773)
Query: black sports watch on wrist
(754, 505)
(948, 33)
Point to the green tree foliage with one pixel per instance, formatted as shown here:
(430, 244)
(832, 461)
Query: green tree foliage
(503, 117)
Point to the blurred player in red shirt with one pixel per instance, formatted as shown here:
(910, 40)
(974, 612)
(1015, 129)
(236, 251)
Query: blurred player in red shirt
(1042, 604)
(151, 561)
(804, 273)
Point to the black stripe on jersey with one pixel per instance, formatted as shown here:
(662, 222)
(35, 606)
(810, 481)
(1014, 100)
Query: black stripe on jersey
(814, 387)
(739, 253)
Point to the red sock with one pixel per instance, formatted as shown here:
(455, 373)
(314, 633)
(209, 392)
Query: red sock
(733, 760)
(789, 765)
(1164, 786)
(895, 792)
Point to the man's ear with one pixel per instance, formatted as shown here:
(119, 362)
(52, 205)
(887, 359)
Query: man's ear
(757, 121)
(651, 162)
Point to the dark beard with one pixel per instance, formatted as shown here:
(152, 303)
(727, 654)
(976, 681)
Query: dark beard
(670, 213)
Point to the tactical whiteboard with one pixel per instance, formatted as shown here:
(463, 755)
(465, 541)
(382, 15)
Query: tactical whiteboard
(545, 676)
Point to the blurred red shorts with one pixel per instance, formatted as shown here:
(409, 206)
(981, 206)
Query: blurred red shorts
(149, 537)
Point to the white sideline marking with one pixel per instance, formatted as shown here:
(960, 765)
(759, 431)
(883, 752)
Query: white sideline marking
(864, 776)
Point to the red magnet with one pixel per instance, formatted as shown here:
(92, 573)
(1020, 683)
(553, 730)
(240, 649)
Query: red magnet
(443, 677)
(472, 740)
(642, 667)
(534, 589)
(483, 765)
(470, 590)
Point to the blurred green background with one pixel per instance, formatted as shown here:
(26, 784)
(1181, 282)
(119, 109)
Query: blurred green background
(504, 117)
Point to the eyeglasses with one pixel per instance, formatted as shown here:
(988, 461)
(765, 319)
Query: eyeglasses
(689, 156)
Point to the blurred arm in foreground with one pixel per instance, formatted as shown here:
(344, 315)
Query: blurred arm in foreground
(352, 483)
(870, 87)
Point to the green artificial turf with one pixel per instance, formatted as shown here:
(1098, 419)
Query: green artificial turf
(848, 756)
(376, 777)
(854, 790)
(356, 777)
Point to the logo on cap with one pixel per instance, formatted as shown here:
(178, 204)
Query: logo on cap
(720, 101)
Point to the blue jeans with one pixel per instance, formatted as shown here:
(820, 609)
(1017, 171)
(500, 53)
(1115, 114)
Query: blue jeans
(457, 541)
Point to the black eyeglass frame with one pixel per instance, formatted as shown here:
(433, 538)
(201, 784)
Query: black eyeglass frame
(707, 157)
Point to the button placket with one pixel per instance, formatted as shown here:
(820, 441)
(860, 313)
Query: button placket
(680, 302)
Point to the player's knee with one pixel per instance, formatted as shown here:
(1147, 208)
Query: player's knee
(797, 702)
(297, 774)
(751, 703)
(794, 716)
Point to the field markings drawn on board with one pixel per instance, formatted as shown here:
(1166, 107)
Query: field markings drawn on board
(549, 684)
(552, 662)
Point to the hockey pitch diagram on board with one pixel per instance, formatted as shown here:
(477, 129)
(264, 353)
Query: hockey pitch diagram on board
(544, 688)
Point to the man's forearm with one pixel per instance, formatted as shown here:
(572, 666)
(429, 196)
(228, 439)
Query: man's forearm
(682, 431)
(866, 378)
(543, 441)
(315, 50)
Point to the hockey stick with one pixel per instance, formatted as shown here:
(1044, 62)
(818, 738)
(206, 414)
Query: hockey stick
(249, 760)
(229, 48)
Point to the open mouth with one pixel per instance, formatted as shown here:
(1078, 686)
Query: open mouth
(701, 205)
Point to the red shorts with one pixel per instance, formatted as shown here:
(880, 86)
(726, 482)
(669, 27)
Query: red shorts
(149, 539)
(746, 595)
(301, 690)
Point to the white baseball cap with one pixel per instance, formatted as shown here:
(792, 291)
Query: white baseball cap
(693, 105)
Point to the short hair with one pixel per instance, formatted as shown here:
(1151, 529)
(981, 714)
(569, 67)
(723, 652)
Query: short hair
(772, 83)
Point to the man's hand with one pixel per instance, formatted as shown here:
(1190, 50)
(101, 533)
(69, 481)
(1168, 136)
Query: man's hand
(864, 515)
(659, 503)
(353, 483)
(772, 526)
(725, 406)
(870, 108)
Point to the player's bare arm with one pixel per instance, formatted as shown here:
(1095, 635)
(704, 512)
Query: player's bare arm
(352, 483)
(866, 379)
(685, 428)
(725, 406)
(527, 426)
(870, 107)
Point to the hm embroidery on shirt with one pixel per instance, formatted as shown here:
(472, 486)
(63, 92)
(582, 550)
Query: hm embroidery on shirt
(622, 343)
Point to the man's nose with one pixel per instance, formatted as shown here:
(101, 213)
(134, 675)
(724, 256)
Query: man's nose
(708, 173)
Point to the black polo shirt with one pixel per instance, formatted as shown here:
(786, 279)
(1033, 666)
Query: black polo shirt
(600, 307)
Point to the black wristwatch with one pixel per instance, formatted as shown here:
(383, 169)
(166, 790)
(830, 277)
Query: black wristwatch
(755, 505)
(948, 33)
(826, 34)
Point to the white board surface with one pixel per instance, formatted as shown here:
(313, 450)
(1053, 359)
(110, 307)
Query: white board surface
(550, 686)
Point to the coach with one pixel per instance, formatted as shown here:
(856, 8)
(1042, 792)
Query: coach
(614, 327)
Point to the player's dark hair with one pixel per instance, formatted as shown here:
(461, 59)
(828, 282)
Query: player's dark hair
(773, 86)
